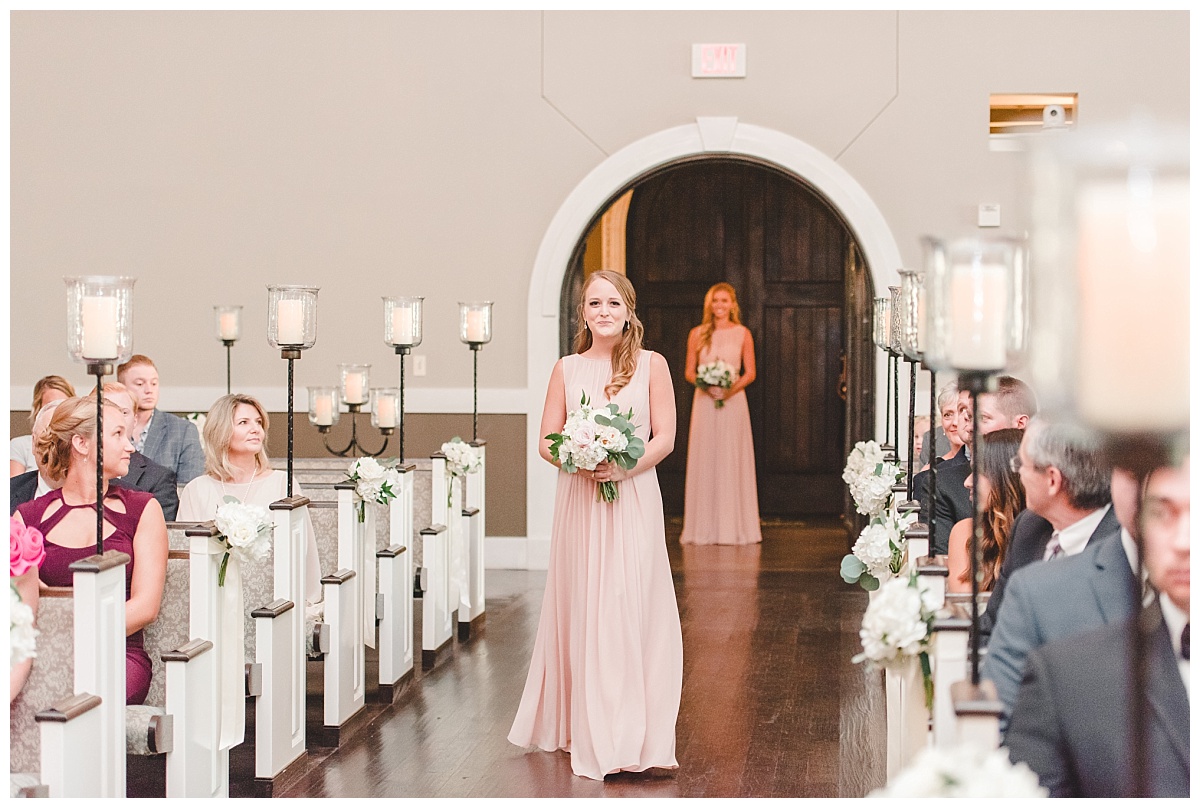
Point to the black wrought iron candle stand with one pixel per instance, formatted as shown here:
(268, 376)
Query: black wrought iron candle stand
(228, 343)
(476, 347)
(291, 355)
(99, 370)
(934, 418)
(354, 445)
(401, 351)
(975, 382)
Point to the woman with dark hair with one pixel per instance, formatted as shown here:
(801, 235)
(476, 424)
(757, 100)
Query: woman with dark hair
(720, 503)
(1003, 497)
(607, 669)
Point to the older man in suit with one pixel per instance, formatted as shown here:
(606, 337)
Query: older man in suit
(144, 474)
(1067, 498)
(164, 438)
(1072, 723)
(1047, 602)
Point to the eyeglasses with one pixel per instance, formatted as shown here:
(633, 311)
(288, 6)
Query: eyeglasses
(1015, 464)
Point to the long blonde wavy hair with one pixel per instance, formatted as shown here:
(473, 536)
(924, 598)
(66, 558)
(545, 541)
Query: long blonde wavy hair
(707, 324)
(625, 355)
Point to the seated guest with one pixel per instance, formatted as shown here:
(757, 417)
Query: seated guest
(921, 434)
(1073, 714)
(144, 474)
(20, 449)
(1003, 497)
(1067, 503)
(32, 484)
(134, 522)
(235, 439)
(1046, 602)
(166, 439)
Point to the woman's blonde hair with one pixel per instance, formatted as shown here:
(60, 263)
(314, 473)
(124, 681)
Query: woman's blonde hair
(48, 383)
(52, 448)
(707, 324)
(218, 432)
(625, 355)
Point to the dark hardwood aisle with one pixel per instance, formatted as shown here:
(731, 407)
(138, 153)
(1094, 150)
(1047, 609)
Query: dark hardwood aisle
(772, 706)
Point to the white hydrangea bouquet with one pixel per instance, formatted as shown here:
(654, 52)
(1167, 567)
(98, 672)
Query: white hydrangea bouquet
(963, 771)
(715, 374)
(870, 478)
(897, 626)
(373, 482)
(592, 436)
(878, 553)
(245, 530)
(22, 636)
(461, 459)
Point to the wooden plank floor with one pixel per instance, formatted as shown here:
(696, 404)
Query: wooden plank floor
(772, 706)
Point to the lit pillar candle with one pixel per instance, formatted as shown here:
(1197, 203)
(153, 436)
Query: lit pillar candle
(402, 325)
(99, 321)
(354, 388)
(289, 320)
(1133, 312)
(229, 325)
(475, 325)
(385, 412)
(323, 409)
(979, 304)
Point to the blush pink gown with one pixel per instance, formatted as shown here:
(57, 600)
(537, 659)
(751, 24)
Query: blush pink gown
(607, 669)
(720, 501)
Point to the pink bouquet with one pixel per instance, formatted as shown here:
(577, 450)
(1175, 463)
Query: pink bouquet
(26, 551)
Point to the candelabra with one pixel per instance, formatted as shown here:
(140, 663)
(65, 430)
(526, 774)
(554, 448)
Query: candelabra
(229, 329)
(402, 329)
(99, 334)
(292, 328)
(475, 329)
(356, 394)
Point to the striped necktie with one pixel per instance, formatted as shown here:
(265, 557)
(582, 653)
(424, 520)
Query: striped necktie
(1054, 548)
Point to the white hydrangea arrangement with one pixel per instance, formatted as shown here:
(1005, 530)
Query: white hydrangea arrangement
(963, 771)
(22, 635)
(870, 478)
(717, 373)
(373, 482)
(245, 530)
(592, 436)
(898, 625)
(461, 459)
(878, 553)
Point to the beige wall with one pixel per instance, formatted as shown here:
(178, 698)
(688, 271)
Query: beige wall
(209, 154)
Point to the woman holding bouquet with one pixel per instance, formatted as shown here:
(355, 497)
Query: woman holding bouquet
(133, 521)
(236, 465)
(720, 504)
(607, 670)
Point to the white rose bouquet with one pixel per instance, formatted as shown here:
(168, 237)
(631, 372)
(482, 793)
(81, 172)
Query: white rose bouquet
(878, 553)
(715, 374)
(373, 482)
(898, 625)
(593, 436)
(870, 478)
(245, 530)
(22, 636)
(461, 459)
(963, 771)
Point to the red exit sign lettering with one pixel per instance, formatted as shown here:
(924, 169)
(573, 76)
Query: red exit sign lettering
(717, 61)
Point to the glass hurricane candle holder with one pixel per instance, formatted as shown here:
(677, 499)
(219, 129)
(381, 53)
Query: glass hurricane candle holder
(323, 407)
(402, 322)
(475, 323)
(355, 385)
(292, 317)
(912, 312)
(881, 324)
(100, 319)
(894, 320)
(385, 408)
(228, 322)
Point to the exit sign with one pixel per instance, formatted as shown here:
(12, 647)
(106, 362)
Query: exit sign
(719, 61)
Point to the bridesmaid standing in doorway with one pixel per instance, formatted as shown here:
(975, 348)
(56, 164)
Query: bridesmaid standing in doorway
(721, 493)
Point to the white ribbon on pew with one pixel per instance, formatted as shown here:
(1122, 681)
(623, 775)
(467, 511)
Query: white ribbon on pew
(231, 659)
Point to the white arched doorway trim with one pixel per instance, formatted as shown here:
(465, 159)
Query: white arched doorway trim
(706, 136)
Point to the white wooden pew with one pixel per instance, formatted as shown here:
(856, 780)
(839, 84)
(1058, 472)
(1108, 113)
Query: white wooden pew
(395, 585)
(471, 603)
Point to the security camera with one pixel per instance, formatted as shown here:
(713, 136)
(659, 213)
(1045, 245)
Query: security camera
(1053, 116)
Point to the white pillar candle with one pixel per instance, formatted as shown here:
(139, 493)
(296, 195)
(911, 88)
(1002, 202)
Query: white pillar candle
(289, 322)
(98, 317)
(354, 387)
(475, 325)
(979, 306)
(402, 325)
(385, 412)
(228, 325)
(1133, 308)
(323, 409)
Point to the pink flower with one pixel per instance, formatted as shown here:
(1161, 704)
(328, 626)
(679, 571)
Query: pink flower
(584, 434)
(25, 548)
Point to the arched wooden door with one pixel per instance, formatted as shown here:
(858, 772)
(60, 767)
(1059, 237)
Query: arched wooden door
(790, 257)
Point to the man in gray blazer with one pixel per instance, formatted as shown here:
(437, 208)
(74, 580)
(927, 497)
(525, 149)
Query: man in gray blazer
(164, 438)
(1047, 602)
(1073, 715)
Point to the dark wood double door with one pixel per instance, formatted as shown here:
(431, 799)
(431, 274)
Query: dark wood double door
(790, 257)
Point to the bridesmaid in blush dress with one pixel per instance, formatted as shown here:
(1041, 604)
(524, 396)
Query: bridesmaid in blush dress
(720, 504)
(607, 670)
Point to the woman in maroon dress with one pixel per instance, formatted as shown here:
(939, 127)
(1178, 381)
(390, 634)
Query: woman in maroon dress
(133, 521)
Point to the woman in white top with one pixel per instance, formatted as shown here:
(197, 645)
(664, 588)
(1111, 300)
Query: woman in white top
(20, 449)
(236, 465)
